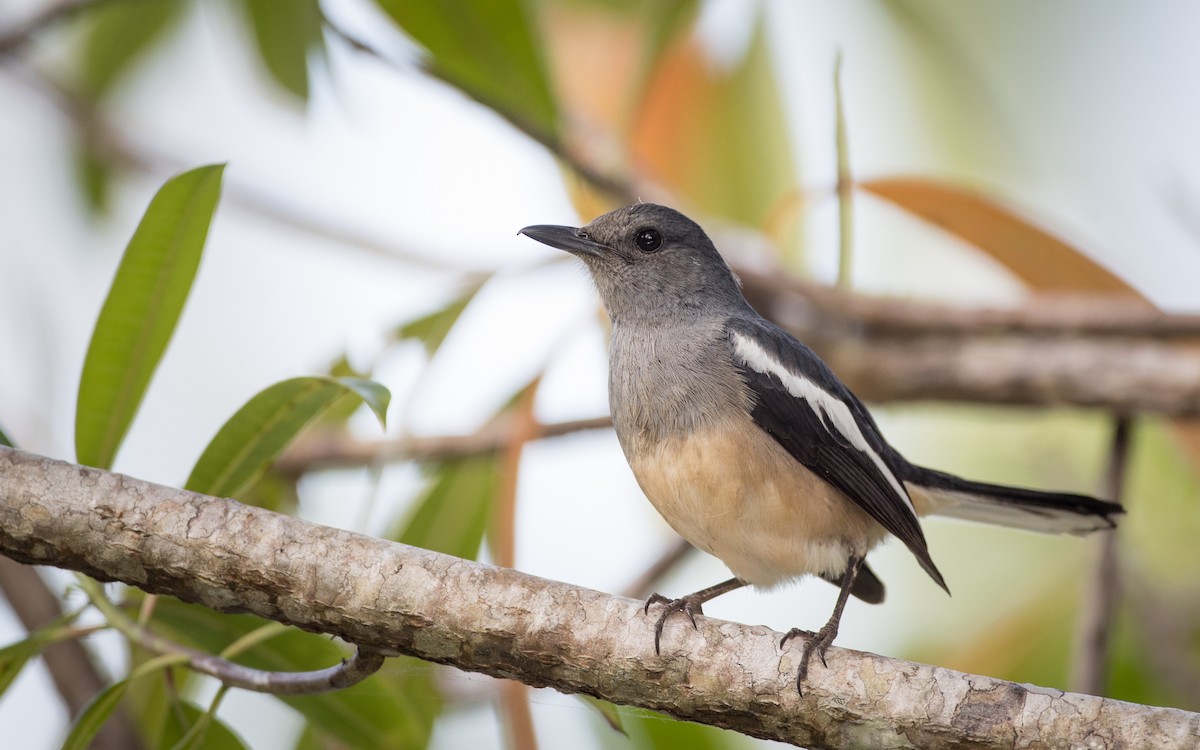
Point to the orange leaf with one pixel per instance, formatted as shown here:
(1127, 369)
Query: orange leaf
(1041, 260)
(1038, 258)
(715, 135)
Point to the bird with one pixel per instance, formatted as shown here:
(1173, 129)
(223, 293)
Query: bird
(748, 444)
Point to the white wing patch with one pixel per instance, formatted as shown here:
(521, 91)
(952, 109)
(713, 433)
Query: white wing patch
(832, 411)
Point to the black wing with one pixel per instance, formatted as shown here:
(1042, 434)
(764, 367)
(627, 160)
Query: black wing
(842, 446)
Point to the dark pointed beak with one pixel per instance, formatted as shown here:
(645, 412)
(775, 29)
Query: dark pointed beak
(571, 239)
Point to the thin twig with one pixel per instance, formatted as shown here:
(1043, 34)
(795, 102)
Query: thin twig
(1092, 644)
(338, 449)
(362, 664)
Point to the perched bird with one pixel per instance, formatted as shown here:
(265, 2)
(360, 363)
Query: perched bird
(747, 443)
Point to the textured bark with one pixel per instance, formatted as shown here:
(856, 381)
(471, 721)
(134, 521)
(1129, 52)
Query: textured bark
(501, 622)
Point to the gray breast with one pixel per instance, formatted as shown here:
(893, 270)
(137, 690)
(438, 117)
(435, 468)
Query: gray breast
(670, 380)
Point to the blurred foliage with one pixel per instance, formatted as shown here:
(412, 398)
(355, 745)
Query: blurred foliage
(431, 329)
(717, 137)
(115, 37)
(286, 34)
(486, 48)
(630, 89)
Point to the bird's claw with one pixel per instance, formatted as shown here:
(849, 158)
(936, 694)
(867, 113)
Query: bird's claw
(689, 605)
(818, 643)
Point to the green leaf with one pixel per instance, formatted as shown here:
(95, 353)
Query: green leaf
(253, 437)
(14, 657)
(284, 33)
(207, 732)
(394, 708)
(272, 490)
(116, 35)
(454, 512)
(93, 716)
(100, 708)
(486, 48)
(654, 731)
(607, 711)
(141, 310)
(5, 440)
(309, 740)
(431, 330)
(93, 171)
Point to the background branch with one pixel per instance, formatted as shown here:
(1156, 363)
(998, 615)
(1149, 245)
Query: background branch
(1090, 668)
(1102, 352)
(402, 599)
(70, 666)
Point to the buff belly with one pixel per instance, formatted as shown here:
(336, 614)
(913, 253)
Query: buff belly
(735, 493)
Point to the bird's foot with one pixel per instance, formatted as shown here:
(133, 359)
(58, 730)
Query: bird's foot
(689, 605)
(814, 643)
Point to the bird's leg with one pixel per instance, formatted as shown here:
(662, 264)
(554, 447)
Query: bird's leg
(819, 641)
(690, 605)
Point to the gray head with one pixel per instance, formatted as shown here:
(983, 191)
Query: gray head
(649, 261)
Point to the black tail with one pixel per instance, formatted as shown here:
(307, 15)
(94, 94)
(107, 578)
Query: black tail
(1047, 512)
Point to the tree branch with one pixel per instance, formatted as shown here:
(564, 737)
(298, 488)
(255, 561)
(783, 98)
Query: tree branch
(1078, 352)
(334, 449)
(403, 600)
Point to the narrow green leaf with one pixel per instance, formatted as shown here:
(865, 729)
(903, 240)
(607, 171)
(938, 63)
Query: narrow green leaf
(93, 716)
(14, 657)
(488, 49)
(141, 310)
(100, 708)
(654, 731)
(193, 728)
(453, 514)
(246, 445)
(285, 33)
(116, 35)
(607, 711)
(273, 490)
(337, 414)
(395, 708)
(5, 440)
(431, 330)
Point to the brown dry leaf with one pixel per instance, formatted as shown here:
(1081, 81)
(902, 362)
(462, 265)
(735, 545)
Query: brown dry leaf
(1041, 260)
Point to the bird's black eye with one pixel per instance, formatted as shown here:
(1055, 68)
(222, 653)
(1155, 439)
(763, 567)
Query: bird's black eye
(648, 239)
